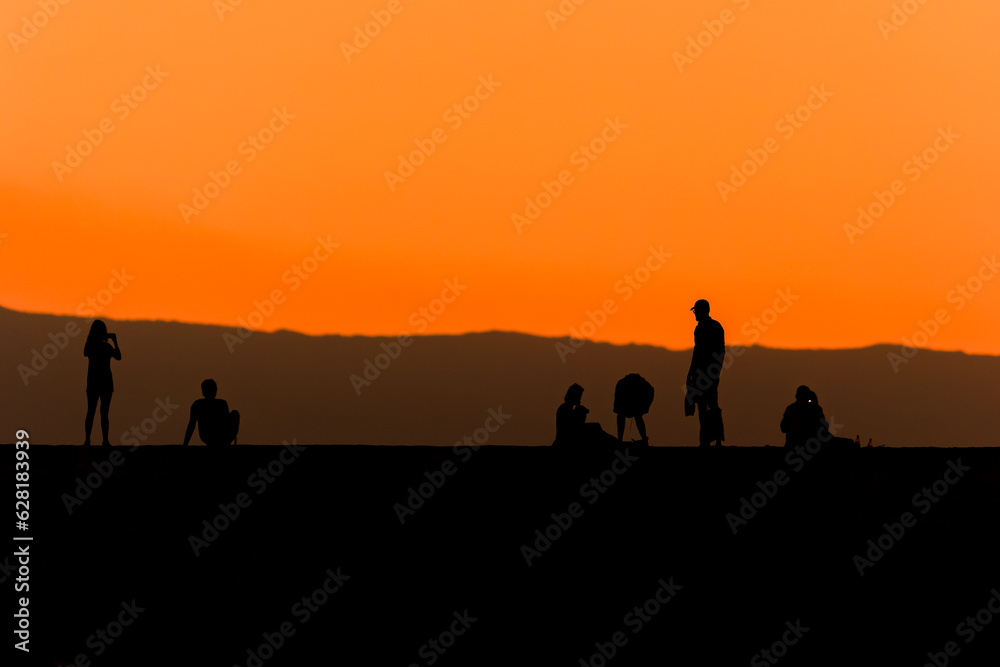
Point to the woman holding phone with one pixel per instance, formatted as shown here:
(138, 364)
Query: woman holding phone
(101, 347)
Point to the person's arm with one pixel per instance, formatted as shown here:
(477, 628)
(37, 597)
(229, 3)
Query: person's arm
(190, 427)
(116, 352)
(694, 358)
(784, 421)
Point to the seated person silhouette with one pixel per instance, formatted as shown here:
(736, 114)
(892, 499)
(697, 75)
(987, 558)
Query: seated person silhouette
(572, 427)
(804, 419)
(217, 426)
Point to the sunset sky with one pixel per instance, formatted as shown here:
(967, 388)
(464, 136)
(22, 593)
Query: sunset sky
(642, 126)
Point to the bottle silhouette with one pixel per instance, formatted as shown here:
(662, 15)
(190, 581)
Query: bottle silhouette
(869, 442)
(857, 440)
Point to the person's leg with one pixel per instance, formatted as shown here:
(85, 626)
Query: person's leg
(621, 426)
(641, 425)
(592, 435)
(105, 408)
(602, 438)
(702, 429)
(234, 426)
(717, 429)
(705, 417)
(88, 423)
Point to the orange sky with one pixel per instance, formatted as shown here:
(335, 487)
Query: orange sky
(681, 125)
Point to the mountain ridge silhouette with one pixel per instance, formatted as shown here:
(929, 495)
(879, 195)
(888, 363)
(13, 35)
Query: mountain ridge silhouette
(438, 389)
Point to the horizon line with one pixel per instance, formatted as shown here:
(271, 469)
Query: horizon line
(491, 331)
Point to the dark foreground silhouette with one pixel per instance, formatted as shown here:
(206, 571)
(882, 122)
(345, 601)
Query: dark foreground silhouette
(385, 555)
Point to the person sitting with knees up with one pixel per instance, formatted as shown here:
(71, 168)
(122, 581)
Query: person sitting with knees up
(217, 426)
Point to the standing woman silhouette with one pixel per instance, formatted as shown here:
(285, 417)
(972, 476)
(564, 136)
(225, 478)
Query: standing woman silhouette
(99, 382)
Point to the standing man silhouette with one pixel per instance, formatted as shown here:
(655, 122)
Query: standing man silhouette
(703, 375)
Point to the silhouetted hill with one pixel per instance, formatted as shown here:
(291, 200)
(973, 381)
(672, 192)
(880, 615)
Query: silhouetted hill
(440, 388)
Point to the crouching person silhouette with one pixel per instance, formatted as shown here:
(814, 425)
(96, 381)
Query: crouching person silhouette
(217, 426)
(633, 396)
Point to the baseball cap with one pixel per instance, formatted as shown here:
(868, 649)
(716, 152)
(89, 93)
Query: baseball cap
(699, 304)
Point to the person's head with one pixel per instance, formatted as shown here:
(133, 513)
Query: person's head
(700, 309)
(574, 393)
(804, 394)
(98, 333)
(209, 389)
